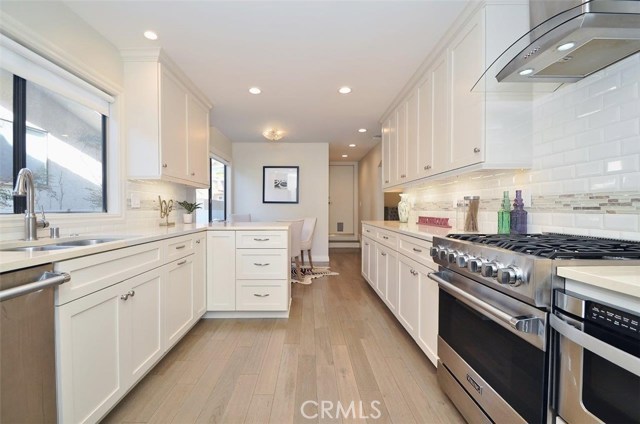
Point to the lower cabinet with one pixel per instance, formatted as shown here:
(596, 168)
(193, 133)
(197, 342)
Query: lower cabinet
(403, 284)
(178, 299)
(106, 341)
(221, 267)
(200, 276)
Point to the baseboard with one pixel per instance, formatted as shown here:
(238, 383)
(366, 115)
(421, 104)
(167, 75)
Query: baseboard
(344, 244)
(246, 314)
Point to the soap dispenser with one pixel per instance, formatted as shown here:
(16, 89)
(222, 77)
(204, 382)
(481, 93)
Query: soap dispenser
(518, 215)
(504, 215)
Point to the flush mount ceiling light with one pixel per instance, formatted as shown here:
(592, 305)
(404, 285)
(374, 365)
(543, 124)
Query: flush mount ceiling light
(150, 35)
(344, 90)
(345, 156)
(566, 46)
(362, 130)
(273, 134)
(352, 145)
(525, 72)
(255, 90)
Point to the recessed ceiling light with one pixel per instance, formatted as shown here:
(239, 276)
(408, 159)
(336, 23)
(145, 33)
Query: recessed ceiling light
(255, 90)
(352, 145)
(566, 46)
(525, 72)
(345, 156)
(362, 130)
(150, 35)
(344, 90)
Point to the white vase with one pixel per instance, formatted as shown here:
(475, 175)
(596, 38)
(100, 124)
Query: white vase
(403, 208)
(187, 218)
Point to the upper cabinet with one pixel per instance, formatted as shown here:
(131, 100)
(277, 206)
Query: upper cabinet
(167, 121)
(442, 126)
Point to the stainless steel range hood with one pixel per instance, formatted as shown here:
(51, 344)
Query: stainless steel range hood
(572, 39)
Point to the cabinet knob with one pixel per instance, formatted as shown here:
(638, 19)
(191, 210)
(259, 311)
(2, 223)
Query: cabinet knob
(124, 297)
(386, 181)
(427, 167)
(131, 293)
(476, 150)
(164, 165)
(193, 174)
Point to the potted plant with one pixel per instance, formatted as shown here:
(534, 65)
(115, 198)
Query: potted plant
(189, 208)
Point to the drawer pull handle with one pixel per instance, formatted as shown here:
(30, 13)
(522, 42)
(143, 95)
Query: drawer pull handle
(385, 237)
(417, 250)
(260, 239)
(181, 247)
(366, 244)
(182, 262)
(383, 254)
(258, 264)
(261, 295)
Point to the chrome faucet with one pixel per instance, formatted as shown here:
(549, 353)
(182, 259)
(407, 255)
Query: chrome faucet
(24, 187)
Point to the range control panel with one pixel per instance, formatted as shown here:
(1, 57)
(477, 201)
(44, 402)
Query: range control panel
(620, 321)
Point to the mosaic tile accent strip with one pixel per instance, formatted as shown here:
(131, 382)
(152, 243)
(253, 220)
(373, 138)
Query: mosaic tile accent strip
(610, 203)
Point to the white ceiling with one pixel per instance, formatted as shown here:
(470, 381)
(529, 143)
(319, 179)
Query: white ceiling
(298, 52)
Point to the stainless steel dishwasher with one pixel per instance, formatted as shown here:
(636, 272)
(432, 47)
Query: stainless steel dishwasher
(27, 345)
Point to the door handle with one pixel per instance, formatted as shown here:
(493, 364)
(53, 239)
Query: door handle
(259, 264)
(48, 279)
(261, 295)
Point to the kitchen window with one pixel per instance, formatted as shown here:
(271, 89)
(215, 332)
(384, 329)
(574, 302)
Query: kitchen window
(214, 200)
(55, 124)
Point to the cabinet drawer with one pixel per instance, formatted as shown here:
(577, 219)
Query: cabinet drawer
(262, 264)
(368, 231)
(95, 272)
(387, 238)
(262, 296)
(416, 249)
(262, 239)
(179, 247)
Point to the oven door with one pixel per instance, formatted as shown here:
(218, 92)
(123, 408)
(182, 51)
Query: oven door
(495, 347)
(598, 373)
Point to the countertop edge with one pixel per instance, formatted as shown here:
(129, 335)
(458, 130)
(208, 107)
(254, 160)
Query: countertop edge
(587, 275)
(423, 232)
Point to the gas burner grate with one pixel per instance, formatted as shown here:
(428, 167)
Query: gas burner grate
(557, 246)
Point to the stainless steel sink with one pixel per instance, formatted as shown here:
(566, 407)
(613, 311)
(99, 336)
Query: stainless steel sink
(37, 248)
(85, 242)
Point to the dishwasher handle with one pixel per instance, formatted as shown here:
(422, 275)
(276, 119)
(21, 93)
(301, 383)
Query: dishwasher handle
(48, 279)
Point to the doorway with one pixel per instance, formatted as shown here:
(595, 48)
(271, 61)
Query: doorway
(343, 195)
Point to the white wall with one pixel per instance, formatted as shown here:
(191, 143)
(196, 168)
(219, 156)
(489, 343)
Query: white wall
(585, 177)
(219, 144)
(313, 160)
(370, 186)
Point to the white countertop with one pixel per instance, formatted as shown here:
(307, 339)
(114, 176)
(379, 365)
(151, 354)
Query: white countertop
(424, 232)
(126, 236)
(621, 279)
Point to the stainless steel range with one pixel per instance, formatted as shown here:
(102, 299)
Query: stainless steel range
(495, 299)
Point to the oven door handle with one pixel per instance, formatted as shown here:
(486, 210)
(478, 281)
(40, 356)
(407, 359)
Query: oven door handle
(586, 341)
(524, 324)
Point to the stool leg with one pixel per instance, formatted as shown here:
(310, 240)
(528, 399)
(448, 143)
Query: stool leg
(302, 256)
(298, 270)
(310, 260)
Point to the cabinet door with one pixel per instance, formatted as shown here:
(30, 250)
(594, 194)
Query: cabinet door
(413, 142)
(143, 319)
(178, 300)
(173, 126)
(221, 271)
(198, 131)
(427, 336)
(386, 159)
(441, 148)
(408, 297)
(466, 58)
(200, 277)
(391, 295)
(90, 336)
(365, 262)
(401, 176)
(423, 153)
(393, 149)
(381, 270)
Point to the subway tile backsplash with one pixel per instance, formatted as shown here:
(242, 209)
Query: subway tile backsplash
(585, 177)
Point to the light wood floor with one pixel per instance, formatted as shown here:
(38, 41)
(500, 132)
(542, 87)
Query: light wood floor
(340, 344)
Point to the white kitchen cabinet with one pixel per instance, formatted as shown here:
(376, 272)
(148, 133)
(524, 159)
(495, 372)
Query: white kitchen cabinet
(466, 64)
(221, 271)
(200, 276)
(107, 341)
(427, 336)
(386, 151)
(178, 299)
(409, 296)
(439, 75)
(367, 247)
(393, 149)
(167, 121)
(414, 143)
(381, 270)
(387, 276)
(402, 131)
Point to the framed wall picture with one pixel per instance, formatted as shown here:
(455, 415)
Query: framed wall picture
(280, 184)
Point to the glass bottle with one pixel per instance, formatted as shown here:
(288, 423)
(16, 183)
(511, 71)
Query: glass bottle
(504, 215)
(518, 215)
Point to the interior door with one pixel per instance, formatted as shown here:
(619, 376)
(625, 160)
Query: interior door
(341, 199)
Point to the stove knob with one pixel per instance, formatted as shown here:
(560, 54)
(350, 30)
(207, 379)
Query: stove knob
(443, 254)
(489, 269)
(510, 275)
(434, 252)
(474, 265)
(452, 256)
(462, 260)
